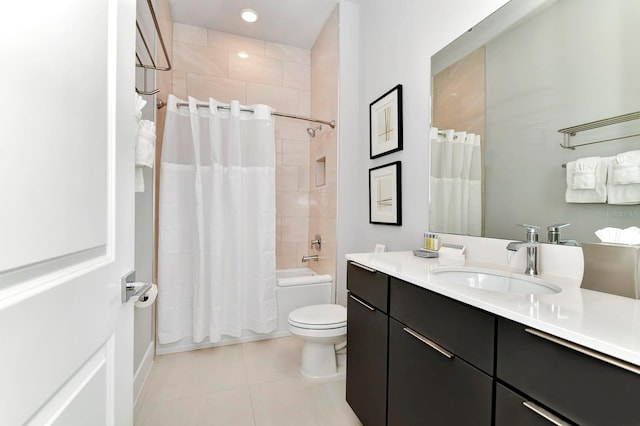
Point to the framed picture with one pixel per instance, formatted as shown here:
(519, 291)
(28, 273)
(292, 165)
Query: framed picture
(385, 199)
(385, 120)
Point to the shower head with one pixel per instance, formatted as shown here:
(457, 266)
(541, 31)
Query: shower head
(312, 131)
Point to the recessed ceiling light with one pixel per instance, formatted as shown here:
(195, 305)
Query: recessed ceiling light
(243, 55)
(249, 15)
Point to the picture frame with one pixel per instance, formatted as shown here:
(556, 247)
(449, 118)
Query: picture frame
(385, 194)
(385, 123)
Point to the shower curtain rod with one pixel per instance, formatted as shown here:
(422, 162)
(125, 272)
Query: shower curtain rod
(331, 123)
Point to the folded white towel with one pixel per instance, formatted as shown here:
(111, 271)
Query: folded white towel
(621, 187)
(626, 168)
(587, 183)
(584, 173)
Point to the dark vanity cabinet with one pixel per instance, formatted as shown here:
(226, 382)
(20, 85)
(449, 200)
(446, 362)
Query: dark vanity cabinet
(367, 343)
(568, 380)
(440, 359)
(416, 357)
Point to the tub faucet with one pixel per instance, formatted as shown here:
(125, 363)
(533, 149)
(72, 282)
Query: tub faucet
(531, 244)
(308, 258)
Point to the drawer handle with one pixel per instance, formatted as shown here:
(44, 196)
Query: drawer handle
(428, 342)
(366, 268)
(371, 308)
(544, 413)
(609, 360)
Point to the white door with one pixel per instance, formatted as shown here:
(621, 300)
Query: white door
(67, 132)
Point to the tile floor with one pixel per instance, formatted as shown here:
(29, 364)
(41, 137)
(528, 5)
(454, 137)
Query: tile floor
(255, 384)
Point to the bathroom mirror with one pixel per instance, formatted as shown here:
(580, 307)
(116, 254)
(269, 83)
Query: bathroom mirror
(525, 72)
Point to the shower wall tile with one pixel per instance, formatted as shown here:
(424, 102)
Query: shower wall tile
(200, 59)
(292, 204)
(278, 230)
(296, 76)
(286, 255)
(221, 89)
(180, 84)
(278, 154)
(288, 53)
(256, 69)
(287, 178)
(280, 98)
(287, 128)
(295, 153)
(304, 249)
(189, 34)
(295, 229)
(303, 178)
(304, 103)
(235, 43)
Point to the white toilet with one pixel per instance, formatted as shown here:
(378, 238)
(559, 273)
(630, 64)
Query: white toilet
(321, 327)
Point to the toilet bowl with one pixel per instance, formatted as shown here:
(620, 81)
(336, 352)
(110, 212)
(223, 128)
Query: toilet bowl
(320, 327)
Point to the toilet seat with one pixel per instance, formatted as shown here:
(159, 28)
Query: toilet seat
(319, 317)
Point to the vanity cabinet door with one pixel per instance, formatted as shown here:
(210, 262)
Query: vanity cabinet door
(426, 387)
(514, 409)
(367, 346)
(582, 388)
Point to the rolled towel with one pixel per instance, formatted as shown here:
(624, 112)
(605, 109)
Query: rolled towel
(621, 193)
(626, 168)
(584, 173)
(580, 188)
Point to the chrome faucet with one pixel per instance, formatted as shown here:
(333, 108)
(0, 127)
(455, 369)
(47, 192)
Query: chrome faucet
(531, 244)
(308, 258)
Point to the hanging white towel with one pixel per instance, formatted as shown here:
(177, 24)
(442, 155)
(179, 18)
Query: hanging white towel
(139, 183)
(584, 173)
(590, 183)
(145, 150)
(623, 186)
(626, 168)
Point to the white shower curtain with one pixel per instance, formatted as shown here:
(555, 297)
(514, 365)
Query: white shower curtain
(455, 204)
(216, 246)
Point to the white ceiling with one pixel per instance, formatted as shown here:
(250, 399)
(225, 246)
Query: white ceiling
(292, 22)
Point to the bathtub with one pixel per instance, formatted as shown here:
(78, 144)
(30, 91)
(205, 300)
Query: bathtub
(295, 288)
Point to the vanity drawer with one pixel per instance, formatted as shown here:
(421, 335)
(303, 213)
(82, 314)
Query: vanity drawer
(369, 285)
(514, 409)
(584, 389)
(461, 329)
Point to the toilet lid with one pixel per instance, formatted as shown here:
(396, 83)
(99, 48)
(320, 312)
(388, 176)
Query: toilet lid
(319, 316)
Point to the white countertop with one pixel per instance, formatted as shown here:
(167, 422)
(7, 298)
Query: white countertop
(606, 323)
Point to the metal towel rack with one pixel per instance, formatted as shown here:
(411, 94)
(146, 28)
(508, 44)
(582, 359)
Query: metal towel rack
(572, 131)
(152, 65)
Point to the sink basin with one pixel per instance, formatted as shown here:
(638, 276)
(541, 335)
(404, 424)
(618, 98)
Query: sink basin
(498, 281)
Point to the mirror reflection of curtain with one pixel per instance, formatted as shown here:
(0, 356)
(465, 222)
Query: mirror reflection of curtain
(456, 183)
(216, 256)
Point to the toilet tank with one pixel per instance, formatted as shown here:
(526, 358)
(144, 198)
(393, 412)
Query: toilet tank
(299, 287)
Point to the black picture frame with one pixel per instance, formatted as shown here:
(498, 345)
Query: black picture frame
(385, 123)
(385, 194)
